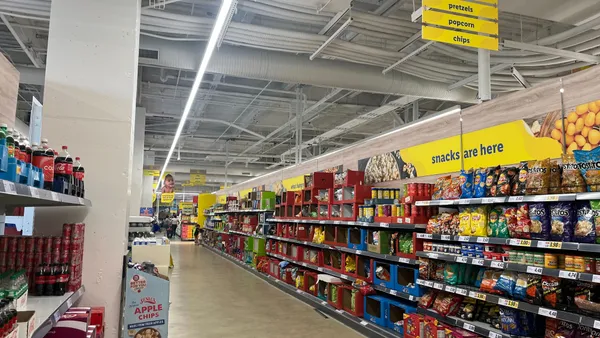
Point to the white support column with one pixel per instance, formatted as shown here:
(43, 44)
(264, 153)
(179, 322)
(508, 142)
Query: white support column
(137, 173)
(89, 105)
(484, 77)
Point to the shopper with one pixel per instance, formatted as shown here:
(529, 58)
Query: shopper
(197, 234)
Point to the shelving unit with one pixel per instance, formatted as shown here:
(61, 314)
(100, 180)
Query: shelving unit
(402, 226)
(48, 310)
(480, 328)
(15, 194)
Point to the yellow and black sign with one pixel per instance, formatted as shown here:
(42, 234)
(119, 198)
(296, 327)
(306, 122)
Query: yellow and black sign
(167, 198)
(461, 23)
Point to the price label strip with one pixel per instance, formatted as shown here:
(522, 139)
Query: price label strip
(461, 259)
(567, 274)
(549, 245)
(461, 291)
(508, 302)
(9, 187)
(478, 261)
(469, 327)
(549, 313)
(534, 270)
(497, 265)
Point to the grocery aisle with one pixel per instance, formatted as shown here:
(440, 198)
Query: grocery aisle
(212, 297)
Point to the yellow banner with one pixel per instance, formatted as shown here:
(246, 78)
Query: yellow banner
(491, 2)
(244, 193)
(222, 199)
(459, 38)
(463, 7)
(294, 183)
(167, 198)
(198, 179)
(460, 22)
(507, 143)
(183, 205)
(150, 172)
(187, 184)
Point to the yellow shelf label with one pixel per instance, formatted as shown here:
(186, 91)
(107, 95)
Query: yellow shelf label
(459, 38)
(460, 22)
(463, 7)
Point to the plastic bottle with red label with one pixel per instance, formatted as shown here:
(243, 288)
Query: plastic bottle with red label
(43, 158)
(10, 141)
(79, 173)
(63, 172)
(17, 151)
(22, 148)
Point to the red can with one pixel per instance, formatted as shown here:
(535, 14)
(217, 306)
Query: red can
(56, 243)
(20, 244)
(29, 263)
(47, 245)
(66, 231)
(38, 259)
(20, 261)
(64, 257)
(406, 210)
(29, 244)
(420, 189)
(46, 258)
(38, 244)
(4, 243)
(76, 246)
(11, 260)
(12, 244)
(77, 232)
(412, 189)
(416, 211)
(56, 257)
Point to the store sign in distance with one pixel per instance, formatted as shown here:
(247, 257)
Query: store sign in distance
(464, 8)
(459, 38)
(460, 22)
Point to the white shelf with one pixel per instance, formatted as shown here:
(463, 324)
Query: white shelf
(48, 310)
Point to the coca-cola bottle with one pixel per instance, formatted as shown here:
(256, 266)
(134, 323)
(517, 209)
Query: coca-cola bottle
(79, 173)
(28, 151)
(22, 148)
(43, 158)
(63, 172)
(40, 280)
(62, 280)
(50, 280)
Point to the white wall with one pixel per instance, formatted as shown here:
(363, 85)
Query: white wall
(137, 173)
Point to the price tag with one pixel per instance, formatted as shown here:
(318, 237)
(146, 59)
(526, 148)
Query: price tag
(461, 291)
(9, 187)
(34, 192)
(596, 324)
(463, 202)
(420, 282)
(497, 265)
(393, 292)
(445, 237)
(403, 260)
(477, 295)
(299, 291)
(477, 261)
(515, 199)
(321, 222)
(364, 322)
(424, 236)
(451, 288)
(493, 334)
(56, 316)
(429, 284)
(438, 286)
(339, 311)
(549, 245)
(469, 327)
(384, 225)
(337, 222)
(567, 274)
(424, 203)
(461, 259)
(446, 202)
(519, 242)
(488, 200)
(320, 269)
(323, 303)
(484, 240)
(508, 302)
(55, 196)
(464, 238)
(432, 255)
(407, 220)
(548, 313)
(304, 264)
(343, 276)
(596, 278)
(399, 220)
(552, 198)
(358, 252)
(534, 270)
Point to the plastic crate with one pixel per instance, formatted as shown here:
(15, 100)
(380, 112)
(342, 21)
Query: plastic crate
(391, 268)
(375, 310)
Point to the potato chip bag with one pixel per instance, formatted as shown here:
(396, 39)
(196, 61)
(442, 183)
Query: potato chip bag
(479, 183)
(464, 227)
(479, 221)
(520, 180)
(572, 181)
(589, 165)
(554, 182)
(540, 221)
(585, 230)
(466, 183)
(538, 177)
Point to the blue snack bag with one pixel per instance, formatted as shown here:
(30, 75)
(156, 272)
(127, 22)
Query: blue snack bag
(589, 164)
(562, 222)
(466, 183)
(540, 221)
(479, 183)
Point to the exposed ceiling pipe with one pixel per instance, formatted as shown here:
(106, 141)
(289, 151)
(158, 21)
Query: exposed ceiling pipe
(207, 152)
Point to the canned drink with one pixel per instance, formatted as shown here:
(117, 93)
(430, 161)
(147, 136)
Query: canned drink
(47, 247)
(77, 233)
(37, 259)
(12, 244)
(11, 260)
(20, 261)
(29, 244)
(67, 230)
(56, 243)
(56, 257)
(407, 210)
(38, 244)
(3, 244)
(64, 257)
(47, 258)
(420, 189)
(412, 189)
(415, 211)
(20, 244)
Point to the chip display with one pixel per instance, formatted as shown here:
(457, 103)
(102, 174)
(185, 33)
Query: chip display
(538, 177)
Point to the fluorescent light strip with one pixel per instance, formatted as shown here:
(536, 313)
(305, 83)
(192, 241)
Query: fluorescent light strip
(208, 52)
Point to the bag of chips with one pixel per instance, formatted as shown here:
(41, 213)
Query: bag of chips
(440, 184)
(565, 330)
(520, 291)
(451, 273)
(586, 332)
(538, 177)
(491, 181)
(589, 165)
(510, 216)
(464, 227)
(520, 181)
(479, 221)
(523, 223)
(453, 190)
(585, 231)
(506, 283)
(562, 223)
(572, 181)
(466, 183)
(554, 185)
(488, 283)
(540, 221)
(493, 221)
(427, 299)
(446, 304)
(551, 291)
(595, 206)
(505, 181)
(479, 183)
(509, 318)
(433, 225)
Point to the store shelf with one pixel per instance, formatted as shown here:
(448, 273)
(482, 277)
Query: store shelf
(346, 277)
(364, 327)
(480, 328)
(246, 234)
(219, 231)
(512, 241)
(472, 292)
(241, 211)
(48, 310)
(140, 229)
(15, 194)
(403, 226)
(514, 199)
(537, 270)
(391, 258)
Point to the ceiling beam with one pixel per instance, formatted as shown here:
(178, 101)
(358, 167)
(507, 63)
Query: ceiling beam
(33, 57)
(203, 119)
(552, 51)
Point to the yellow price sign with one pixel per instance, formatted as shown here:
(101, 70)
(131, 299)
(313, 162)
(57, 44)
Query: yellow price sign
(459, 38)
(167, 198)
(150, 172)
(460, 22)
(480, 296)
(508, 302)
(464, 8)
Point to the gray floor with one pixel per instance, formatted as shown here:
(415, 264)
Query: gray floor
(212, 297)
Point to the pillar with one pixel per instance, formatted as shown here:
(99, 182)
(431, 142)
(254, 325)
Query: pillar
(89, 105)
(137, 175)
(484, 74)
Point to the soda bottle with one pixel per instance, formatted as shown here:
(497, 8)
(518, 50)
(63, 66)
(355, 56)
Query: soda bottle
(79, 173)
(62, 280)
(17, 151)
(50, 280)
(42, 159)
(40, 280)
(3, 130)
(22, 148)
(28, 151)
(63, 171)
(10, 142)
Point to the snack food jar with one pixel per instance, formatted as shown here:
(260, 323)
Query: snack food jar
(561, 261)
(550, 261)
(569, 262)
(520, 257)
(373, 193)
(538, 259)
(420, 189)
(361, 211)
(578, 264)
(401, 210)
(397, 194)
(529, 258)
(590, 264)
(379, 193)
(415, 211)
(412, 189)
(380, 210)
(406, 210)
(386, 194)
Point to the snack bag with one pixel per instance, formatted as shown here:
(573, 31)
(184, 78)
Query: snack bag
(502, 225)
(540, 221)
(554, 185)
(572, 181)
(479, 221)
(427, 299)
(433, 225)
(551, 291)
(464, 227)
(479, 183)
(451, 273)
(589, 165)
(506, 283)
(509, 320)
(523, 222)
(493, 221)
(440, 184)
(488, 283)
(538, 177)
(520, 291)
(505, 181)
(562, 222)
(595, 205)
(491, 181)
(585, 231)
(520, 180)
(510, 214)
(466, 183)
(452, 191)
(350, 264)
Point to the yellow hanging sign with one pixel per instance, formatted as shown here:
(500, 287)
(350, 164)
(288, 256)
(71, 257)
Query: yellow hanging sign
(222, 199)
(150, 172)
(463, 8)
(153, 198)
(459, 38)
(198, 179)
(167, 198)
(460, 22)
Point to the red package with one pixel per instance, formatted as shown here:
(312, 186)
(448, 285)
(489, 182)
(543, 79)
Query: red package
(427, 299)
(446, 304)
(488, 283)
(523, 224)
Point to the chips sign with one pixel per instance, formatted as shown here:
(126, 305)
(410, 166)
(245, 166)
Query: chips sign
(461, 23)
(167, 198)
